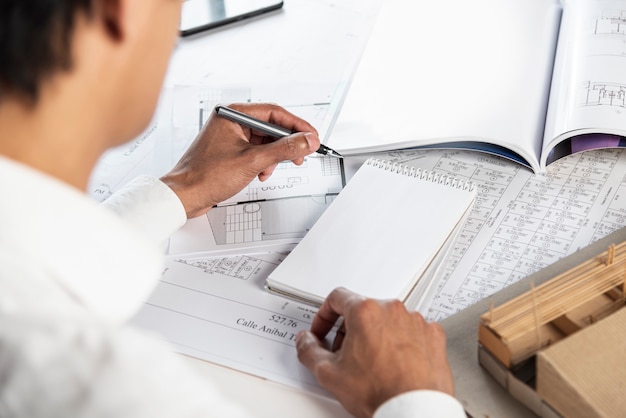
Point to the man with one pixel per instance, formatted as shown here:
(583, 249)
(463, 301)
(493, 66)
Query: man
(78, 77)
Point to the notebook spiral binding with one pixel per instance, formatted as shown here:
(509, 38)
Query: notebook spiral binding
(421, 174)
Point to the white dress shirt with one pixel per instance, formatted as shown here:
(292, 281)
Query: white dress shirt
(72, 272)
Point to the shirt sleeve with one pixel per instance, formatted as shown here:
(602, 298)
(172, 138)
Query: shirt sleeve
(150, 206)
(422, 404)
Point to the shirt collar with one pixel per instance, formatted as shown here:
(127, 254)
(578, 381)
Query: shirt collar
(98, 259)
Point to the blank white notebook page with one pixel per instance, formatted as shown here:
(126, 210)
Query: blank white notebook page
(379, 234)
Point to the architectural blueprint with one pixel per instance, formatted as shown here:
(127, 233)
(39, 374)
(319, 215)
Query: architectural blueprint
(271, 225)
(607, 36)
(318, 175)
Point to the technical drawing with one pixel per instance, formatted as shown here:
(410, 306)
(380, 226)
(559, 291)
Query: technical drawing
(241, 267)
(613, 22)
(266, 220)
(604, 94)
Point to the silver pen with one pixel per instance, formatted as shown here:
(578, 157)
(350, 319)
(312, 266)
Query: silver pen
(266, 128)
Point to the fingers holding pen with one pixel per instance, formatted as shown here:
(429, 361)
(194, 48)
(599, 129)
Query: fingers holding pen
(274, 114)
(290, 148)
(227, 150)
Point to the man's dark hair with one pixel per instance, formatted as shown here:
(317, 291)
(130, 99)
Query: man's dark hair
(35, 37)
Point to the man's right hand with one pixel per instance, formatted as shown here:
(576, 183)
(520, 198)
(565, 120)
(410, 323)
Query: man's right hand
(226, 156)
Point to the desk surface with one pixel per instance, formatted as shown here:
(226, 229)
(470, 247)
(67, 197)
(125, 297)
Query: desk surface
(318, 41)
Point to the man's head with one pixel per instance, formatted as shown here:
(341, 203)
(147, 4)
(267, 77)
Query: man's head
(35, 42)
(78, 77)
(115, 48)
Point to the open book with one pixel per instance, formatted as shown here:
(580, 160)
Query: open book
(526, 79)
(385, 236)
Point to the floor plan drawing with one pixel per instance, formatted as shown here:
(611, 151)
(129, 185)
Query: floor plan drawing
(605, 94)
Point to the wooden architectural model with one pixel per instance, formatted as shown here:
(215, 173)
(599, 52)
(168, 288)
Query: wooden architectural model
(559, 347)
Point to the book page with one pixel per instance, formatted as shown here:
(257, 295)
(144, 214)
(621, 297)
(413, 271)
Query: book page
(588, 92)
(451, 71)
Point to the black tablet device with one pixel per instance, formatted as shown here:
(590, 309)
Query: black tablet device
(200, 15)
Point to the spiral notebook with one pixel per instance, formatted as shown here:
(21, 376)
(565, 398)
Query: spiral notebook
(386, 235)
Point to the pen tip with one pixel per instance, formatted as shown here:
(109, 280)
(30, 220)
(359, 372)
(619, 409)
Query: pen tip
(324, 150)
(333, 153)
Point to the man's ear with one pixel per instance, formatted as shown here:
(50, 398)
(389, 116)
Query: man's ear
(111, 14)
